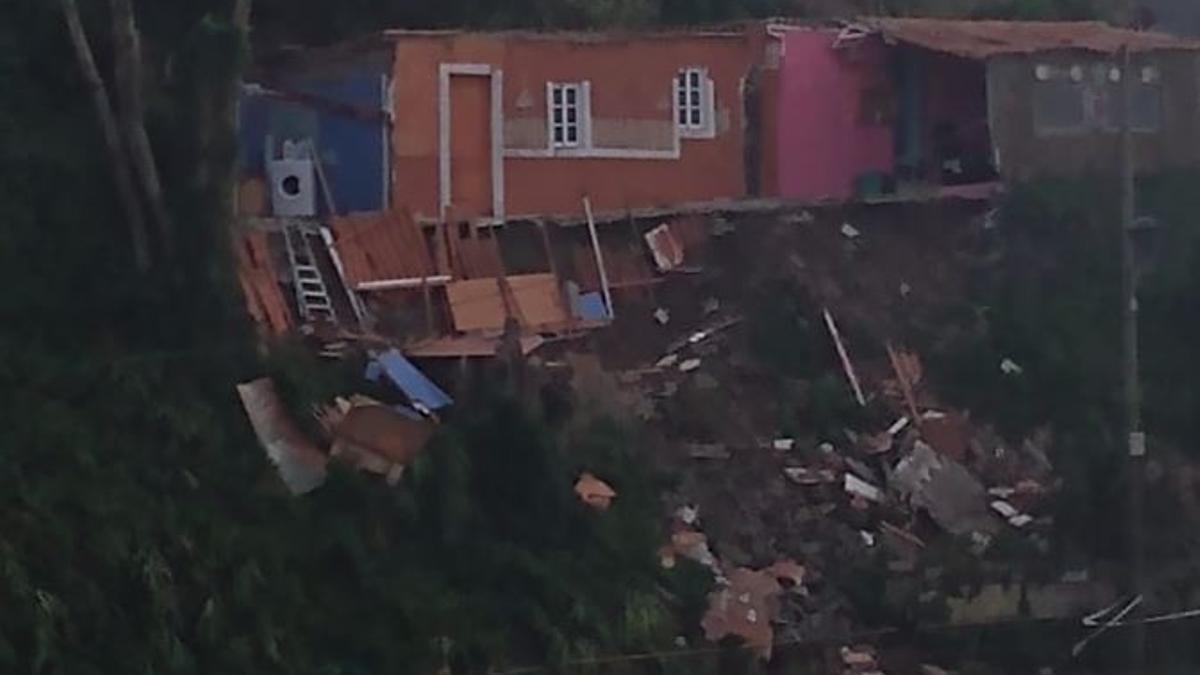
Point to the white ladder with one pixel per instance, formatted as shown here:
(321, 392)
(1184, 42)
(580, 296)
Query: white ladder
(311, 295)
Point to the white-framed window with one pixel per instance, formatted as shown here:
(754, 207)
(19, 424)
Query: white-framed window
(568, 107)
(694, 102)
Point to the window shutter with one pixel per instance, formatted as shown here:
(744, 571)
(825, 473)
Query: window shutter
(585, 114)
(550, 115)
(709, 109)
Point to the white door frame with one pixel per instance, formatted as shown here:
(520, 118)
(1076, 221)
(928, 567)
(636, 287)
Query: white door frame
(445, 70)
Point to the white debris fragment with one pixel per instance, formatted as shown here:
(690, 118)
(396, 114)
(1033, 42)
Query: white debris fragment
(697, 337)
(805, 476)
(1004, 508)
(991, 219)
(849, 231)
(898, 426)
(783, 443)
(1010, 367)
(662, 316)
(861, 488)
(933, 415)
(1020, 520)
(867, 537)
(1002, 491)
(826, 448)
(688, 514)
(689, 365)
(667, 361)
(801, 218)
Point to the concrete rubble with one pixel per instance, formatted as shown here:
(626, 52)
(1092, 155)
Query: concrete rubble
(787, 500)
(787, 509)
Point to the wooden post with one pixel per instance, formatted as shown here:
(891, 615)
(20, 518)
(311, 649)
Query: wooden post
(1135, 437)
(637, 243)
(426, 292)
(846, 365)
(127, 70)
(905, 385)
(558, 282)
(604, 289)
(512, 310)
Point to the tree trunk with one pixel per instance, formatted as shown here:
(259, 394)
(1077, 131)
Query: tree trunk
(226, 109)
(112, 136)
(127, 67)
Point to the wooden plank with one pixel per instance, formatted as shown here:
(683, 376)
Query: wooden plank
(477, 304)
(845, 357)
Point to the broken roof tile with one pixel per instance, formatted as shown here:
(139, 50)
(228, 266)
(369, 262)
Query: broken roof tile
(594, 492)
(744, 609)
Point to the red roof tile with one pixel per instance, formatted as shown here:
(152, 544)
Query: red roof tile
(985, 39)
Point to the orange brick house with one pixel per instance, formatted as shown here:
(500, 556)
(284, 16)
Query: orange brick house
(509, 125)
(370, 160)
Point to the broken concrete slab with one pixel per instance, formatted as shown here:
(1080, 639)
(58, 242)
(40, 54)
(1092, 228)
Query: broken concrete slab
(952, 496)
(861, 488)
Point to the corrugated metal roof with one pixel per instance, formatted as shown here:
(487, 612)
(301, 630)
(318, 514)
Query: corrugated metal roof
(985, 39)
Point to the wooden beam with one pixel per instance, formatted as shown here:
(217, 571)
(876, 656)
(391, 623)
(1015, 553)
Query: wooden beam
(845, 357)
(604, 289)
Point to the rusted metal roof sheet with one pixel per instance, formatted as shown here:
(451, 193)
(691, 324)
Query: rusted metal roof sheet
(379, 246)
(986, 39)
(300, 463)
(381, 430)
(264, 299)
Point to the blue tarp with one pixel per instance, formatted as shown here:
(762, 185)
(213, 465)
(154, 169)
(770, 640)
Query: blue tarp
(412, 382)
(351, 150)
(586, 306)
(591, 307)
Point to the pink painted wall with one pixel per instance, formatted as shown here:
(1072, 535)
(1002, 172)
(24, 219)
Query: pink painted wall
(824, 142)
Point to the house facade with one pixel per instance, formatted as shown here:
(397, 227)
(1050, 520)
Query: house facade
(380, 170)
(1040, 98)
(944, 107)
(516, 125)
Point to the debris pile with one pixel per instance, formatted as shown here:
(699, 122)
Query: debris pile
(370, 435)
(904, 469)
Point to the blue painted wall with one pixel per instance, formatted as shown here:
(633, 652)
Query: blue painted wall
(351, 150)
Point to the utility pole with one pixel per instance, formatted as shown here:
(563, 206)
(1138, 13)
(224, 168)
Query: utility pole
(1136, 438)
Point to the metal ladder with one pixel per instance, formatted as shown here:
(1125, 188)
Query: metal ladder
(311, 294)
